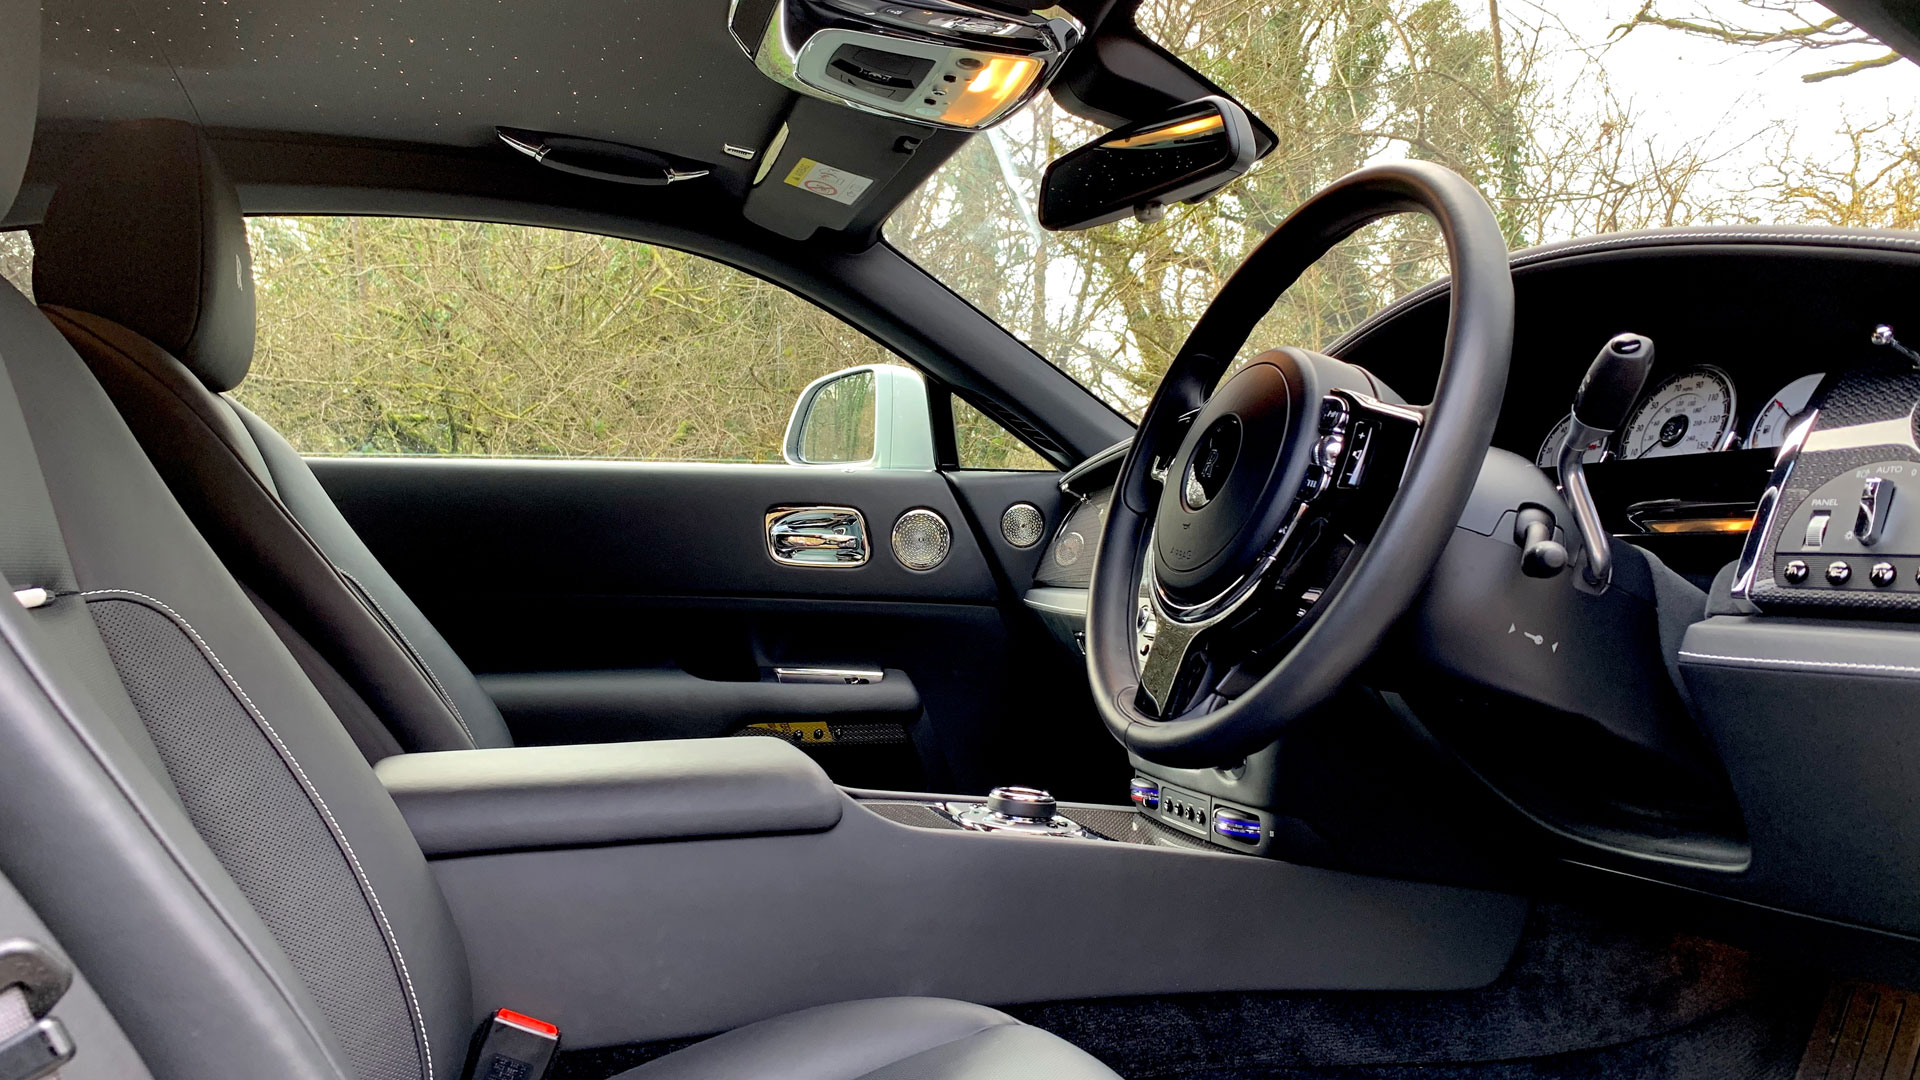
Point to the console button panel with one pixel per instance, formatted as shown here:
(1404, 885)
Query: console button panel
(1851, 536)
(1222, 824)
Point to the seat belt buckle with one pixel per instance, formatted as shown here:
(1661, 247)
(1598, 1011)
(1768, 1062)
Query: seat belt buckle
(32, 982)
(512, 1046)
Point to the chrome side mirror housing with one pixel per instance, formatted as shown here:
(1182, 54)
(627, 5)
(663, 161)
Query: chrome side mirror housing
(942, 63)
(874, 416)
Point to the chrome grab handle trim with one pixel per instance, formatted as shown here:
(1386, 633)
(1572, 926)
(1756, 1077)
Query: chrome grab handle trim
(820, 537)
(833, 676)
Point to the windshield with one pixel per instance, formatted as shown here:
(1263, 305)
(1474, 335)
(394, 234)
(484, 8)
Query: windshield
(1574, 118)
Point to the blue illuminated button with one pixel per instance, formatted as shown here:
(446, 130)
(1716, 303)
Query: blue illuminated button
(1237, 825)
(1145, 794)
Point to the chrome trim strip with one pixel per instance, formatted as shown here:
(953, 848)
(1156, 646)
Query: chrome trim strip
(829, 676)
(1898, 432)
(1769, 505)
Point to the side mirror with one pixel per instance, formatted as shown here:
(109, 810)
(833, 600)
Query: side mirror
(1184, 155)
(874, 416)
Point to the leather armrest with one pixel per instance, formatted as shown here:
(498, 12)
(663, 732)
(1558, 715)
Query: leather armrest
(460, 802)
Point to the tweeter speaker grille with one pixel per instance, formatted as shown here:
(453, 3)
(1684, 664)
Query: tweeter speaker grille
(1022, 524)
(921, 539)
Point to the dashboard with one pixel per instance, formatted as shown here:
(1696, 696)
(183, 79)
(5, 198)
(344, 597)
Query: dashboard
(1746, 333)
(1776, 759)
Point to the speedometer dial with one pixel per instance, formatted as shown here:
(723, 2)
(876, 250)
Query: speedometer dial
(1688, 413)
(1771, 425)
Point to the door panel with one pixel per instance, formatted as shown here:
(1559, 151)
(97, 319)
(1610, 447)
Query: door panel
(606, 600)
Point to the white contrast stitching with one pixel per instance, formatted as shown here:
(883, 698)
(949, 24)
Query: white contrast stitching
(313, 794)
(1770, 661)
(418, 656)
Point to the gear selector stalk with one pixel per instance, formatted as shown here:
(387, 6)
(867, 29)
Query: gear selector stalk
(1600, 408)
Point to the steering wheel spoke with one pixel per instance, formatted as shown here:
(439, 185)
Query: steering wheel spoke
(1173, 652)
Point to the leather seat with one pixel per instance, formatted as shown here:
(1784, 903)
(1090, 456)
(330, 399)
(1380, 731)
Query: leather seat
(142, 263)
(186, 811)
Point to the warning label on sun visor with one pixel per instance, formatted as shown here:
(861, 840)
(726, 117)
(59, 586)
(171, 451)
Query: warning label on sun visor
(825, 180)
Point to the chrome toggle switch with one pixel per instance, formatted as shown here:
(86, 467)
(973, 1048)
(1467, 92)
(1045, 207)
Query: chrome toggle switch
(1876, 499)
(1816, 530)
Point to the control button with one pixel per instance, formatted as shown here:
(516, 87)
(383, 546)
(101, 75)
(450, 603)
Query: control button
(1031, 804)
(1876, 498)
(1237, 825)
(1326, 452)
(1333, 415)
(1816, 529)
(1838, 573)
(1794, 572)
(1144, 793)
(1882, 574)
(1356, 467)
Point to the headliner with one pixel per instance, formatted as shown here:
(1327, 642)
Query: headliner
(665, 74)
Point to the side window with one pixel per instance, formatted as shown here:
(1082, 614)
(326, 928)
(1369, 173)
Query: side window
(418, 336)
(980, 443)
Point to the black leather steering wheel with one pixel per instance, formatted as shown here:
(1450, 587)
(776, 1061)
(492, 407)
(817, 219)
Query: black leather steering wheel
(1265, 533)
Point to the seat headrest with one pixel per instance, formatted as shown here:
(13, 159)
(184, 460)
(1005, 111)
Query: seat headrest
(145, 230)
(19, 91)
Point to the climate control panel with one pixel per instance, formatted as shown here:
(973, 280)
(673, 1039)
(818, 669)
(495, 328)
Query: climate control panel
(1838, 528)
(1856, 532)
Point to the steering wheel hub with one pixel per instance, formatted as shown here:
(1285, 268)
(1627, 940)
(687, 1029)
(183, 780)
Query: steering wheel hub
(1239, 467)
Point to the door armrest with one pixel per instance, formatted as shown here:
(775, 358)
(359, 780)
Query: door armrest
(463, 802)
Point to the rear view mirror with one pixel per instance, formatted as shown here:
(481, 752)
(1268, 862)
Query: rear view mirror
(1182, 156)
(874, 416)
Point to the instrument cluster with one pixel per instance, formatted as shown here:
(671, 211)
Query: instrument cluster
(1693, 411)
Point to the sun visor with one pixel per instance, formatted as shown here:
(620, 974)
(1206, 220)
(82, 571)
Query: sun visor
(826, 167)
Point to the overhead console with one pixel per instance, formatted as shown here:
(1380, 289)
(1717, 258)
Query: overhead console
(941, 63)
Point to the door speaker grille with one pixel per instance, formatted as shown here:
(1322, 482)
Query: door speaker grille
(921, 539)
(1023, 524)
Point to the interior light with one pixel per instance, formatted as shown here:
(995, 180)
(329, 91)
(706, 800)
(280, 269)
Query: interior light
(1701, 525)
(1003, 79)
(1184, 128)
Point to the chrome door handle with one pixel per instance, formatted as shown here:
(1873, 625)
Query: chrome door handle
(823, 536)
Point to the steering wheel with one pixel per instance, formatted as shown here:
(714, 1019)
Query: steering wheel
(1265, 533)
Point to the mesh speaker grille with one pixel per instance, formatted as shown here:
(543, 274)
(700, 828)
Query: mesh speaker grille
(1023, 524)
(921, 539)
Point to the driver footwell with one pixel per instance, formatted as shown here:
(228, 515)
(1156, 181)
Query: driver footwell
(1584, 997)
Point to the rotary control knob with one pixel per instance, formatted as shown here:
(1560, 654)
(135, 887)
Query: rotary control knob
(1023, 803)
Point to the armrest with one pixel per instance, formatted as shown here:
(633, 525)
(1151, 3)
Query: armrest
(460, 802)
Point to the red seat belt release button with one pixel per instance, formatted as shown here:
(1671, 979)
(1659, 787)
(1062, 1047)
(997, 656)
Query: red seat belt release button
(514, 1046)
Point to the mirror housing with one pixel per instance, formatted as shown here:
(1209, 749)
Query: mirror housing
(1183, 155)
(874, 416)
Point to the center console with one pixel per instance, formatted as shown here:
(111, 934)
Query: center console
(633, 892)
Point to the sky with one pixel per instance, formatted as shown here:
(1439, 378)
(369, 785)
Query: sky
(1686, 87)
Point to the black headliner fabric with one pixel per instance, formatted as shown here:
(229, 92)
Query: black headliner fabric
(665, 74)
